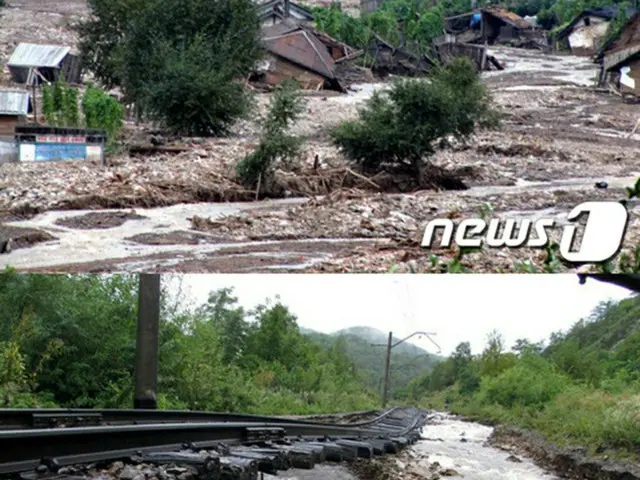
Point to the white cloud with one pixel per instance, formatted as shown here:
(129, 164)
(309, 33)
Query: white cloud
(456, 307)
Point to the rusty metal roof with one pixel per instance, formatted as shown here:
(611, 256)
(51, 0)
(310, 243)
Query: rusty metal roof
(508, 17)
(34, 55)
(304, 49)
(14, 102)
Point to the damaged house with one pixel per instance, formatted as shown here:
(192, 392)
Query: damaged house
(33, 64)
(492, 25)
(397, 60)
(275, 11)
(302, 53)
(584, 35)
(620, 59)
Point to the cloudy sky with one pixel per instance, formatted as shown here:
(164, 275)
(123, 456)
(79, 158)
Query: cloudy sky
(455, 307)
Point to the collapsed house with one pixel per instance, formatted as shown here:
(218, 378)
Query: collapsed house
(275, 11)
(397, 60)
(302, 53)
(493, 25)
(33, 64)
(584, 35)
(620, 59)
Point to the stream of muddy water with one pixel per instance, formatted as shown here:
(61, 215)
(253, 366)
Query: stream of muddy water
(450, 448)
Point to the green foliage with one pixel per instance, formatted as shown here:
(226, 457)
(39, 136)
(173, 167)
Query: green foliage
(275, 143)
(60, 104)
(399, 128)
(102, 111)
(178, 61)
(582, 388)
(76, 337)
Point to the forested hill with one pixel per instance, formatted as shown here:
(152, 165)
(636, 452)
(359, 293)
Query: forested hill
(407, 360)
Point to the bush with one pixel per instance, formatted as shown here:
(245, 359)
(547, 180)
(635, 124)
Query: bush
(102, 111)
(275, 143)
(531, 383)
(400, 128)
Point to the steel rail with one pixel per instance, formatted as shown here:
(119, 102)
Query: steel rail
(11, 418)
(26, 449)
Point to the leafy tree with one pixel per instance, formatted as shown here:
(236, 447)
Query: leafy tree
(102, 111)
(400, 128)
(178, 61)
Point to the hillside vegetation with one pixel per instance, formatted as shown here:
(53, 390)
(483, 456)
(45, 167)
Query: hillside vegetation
(69, 341)
(582, 387)
(407, 360)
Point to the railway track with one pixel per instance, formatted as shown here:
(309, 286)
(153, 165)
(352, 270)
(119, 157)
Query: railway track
(42, 444)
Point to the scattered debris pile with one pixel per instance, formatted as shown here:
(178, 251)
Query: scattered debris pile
(300, 52)
(478, 54)
(397, 60)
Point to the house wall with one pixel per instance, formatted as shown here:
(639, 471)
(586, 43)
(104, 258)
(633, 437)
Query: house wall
(8, 150)
(585, 40)
(8, 124)
(630, 78)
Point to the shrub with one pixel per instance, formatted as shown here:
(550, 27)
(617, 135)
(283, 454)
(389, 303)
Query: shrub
(102, 111)
(275, 143)
(400, 127)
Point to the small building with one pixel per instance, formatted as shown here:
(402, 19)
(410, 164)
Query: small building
(34, 64)
(45, 144)
(275, 11)
(585, 33)
(499, 24)
(15, 105)
(490, 25)
(620, 59)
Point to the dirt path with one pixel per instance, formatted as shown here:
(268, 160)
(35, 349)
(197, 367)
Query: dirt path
(558, 139)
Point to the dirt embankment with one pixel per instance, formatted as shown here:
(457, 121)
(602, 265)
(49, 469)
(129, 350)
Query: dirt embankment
(575, 464)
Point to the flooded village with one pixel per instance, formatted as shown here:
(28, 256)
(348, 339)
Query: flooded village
(570, 133)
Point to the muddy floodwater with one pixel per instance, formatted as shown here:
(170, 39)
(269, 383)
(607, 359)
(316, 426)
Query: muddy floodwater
(460, 446)
(450, 448)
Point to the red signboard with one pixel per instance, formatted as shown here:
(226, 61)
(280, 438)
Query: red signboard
(59, 139)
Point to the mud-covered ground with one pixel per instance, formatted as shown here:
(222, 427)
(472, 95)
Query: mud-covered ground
(559, 137)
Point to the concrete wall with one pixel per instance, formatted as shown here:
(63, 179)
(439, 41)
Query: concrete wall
(8, 150)
(51, 152)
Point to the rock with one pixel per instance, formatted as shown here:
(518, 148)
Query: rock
(449, 472)
(130, 473)
(514, 459)
(464, 440)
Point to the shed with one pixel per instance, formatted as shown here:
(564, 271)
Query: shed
(585, 33)
(50, 61)
(501, 24)
(14, 108)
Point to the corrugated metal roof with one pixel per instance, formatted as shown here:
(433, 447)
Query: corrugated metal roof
(14, 102)
(34, 55)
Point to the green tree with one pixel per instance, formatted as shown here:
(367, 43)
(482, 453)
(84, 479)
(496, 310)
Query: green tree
(400, 128)
(179, 61)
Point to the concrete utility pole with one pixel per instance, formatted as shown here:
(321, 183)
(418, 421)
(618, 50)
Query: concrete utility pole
(390, 346)
(146, 369)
